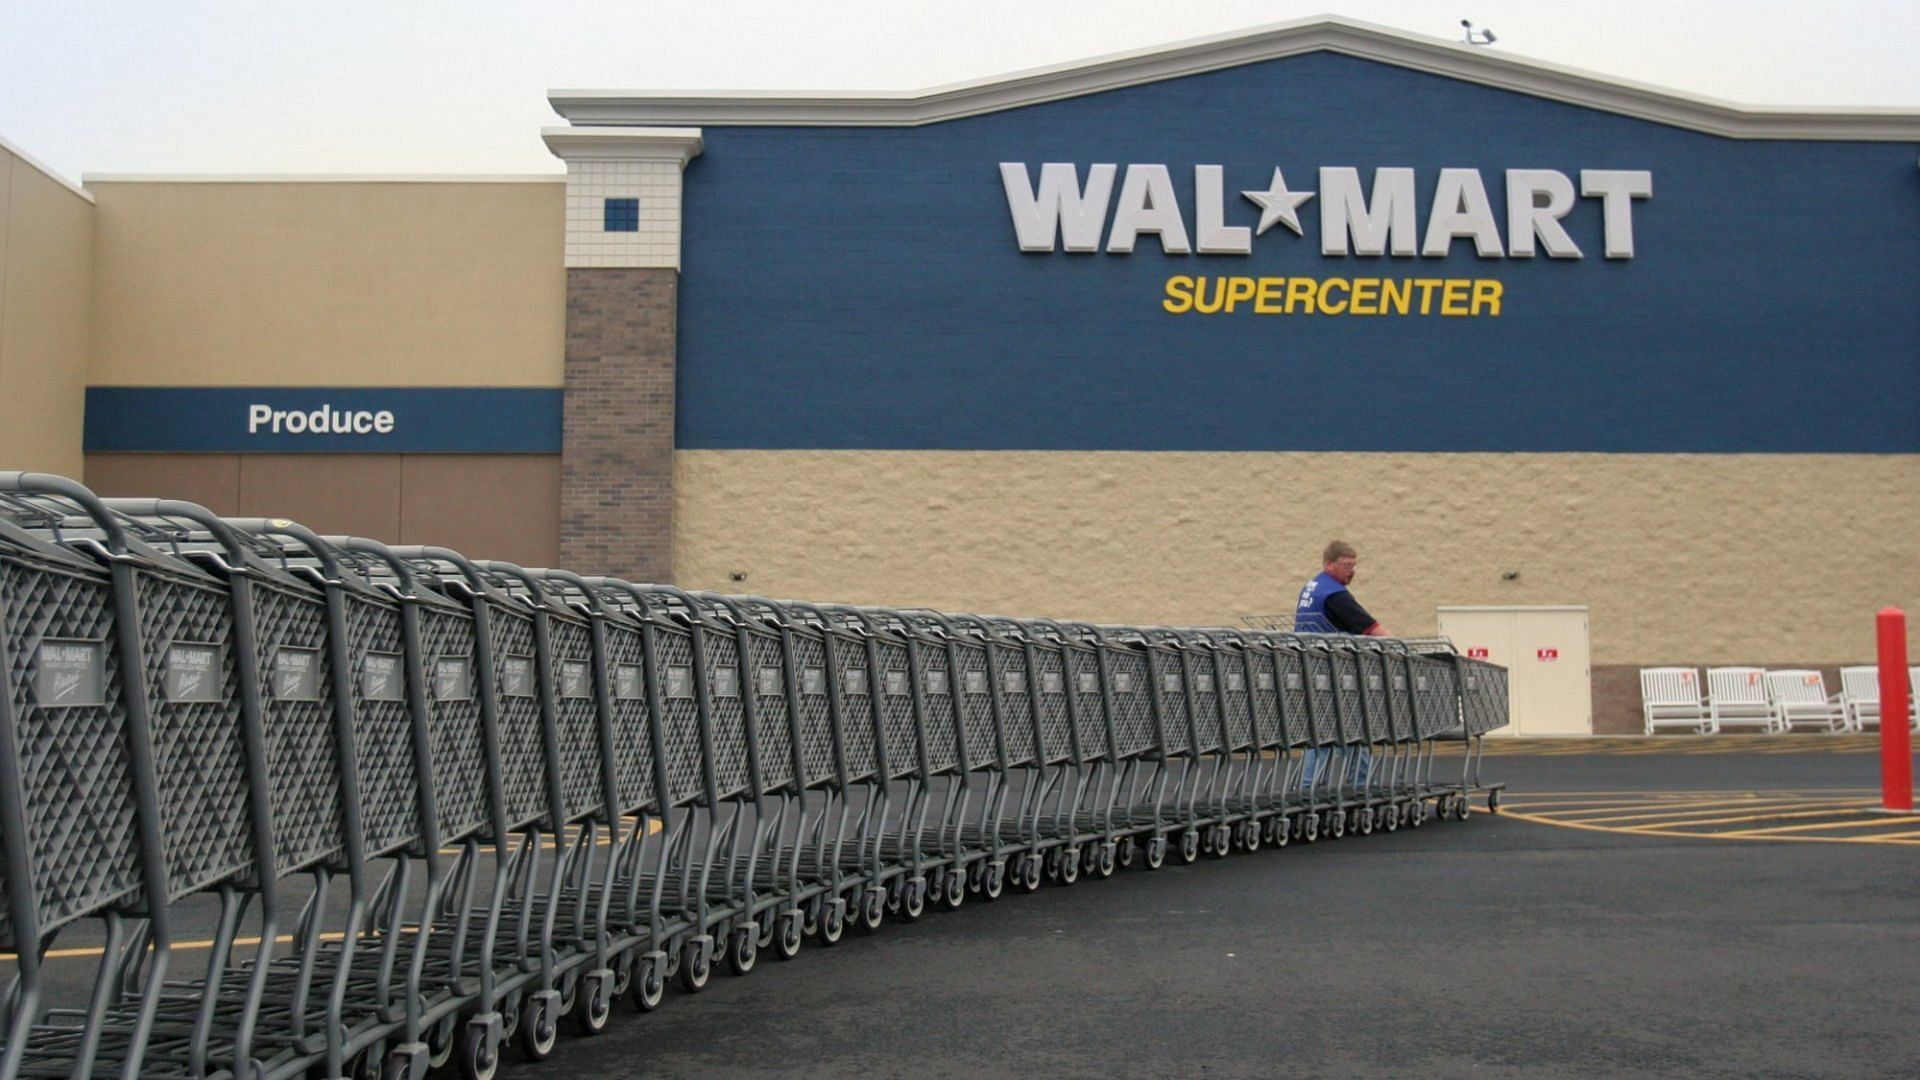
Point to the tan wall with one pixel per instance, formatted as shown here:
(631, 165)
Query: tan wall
(1708, 559)
(46, 238)
(345, 283)
(497, 506)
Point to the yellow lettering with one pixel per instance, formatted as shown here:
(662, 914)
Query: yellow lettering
(1394, 295)
(1300, 295)
(1326, 288)
(1486, 296)
(1238, 289)
(1454, 300)
(1426, 286)
(1366, 290)
(1200, 295)
(1267, 300)
(1179, 299)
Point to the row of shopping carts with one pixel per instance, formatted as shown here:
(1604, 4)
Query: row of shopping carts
(433, 806)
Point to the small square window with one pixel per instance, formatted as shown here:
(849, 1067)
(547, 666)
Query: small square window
(623, 215)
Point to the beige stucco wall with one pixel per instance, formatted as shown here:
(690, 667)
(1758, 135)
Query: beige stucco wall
(1694, 558)
(342, 283)
(46, 238)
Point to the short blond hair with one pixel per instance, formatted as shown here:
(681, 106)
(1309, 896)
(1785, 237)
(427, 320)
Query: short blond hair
(1337, 550)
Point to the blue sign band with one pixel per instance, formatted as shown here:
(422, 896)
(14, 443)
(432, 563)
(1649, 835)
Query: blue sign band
(323, 420)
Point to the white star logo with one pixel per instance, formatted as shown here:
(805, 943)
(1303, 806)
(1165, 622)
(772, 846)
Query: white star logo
(1277, 204)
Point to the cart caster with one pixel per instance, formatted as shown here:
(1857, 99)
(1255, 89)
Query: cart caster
(1222, 841)
(1281, 832)
(1106, 860)
(873, 908)
(569, 993)
(1090, 859)
(1052, 865)
(696, 964)
(743, 950)
(1417, 814)
(1462, 808)
(509, 1017)
(1493, 802)
(649, 981)
(595, 1006)
(1189, 847)
(1250, 838)
(993, 881)
(767, 928)
(479, 1051)
(1391, 819)
(1310, 828)
(539, 1029)
(1123, 853)
(1365, 821)
(1156, 856)
(833, 923)
(1337, 827)
(441, 1043)
(955, 890)
(913, 899)
(1070, 866)
(622, 975)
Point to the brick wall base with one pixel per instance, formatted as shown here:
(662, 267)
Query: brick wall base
(616, 482)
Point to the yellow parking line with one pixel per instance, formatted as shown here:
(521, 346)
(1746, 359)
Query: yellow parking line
(1856, 823)
(1783, 810)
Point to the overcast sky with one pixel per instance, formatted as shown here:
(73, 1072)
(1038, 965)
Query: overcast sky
(407, 86)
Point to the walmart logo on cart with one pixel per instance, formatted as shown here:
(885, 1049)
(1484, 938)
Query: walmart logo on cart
(1063, 209)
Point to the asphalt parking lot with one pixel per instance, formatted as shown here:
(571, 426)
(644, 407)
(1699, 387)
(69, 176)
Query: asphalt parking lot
(1533, 943)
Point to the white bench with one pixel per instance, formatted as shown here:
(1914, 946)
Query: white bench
(1860, 695)
(1738, 696)
(1800, 696)
(1670, 697)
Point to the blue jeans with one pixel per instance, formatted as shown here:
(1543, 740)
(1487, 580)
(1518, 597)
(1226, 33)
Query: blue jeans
(1359, 763)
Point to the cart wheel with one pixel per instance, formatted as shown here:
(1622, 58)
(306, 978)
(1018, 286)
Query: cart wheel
(649, 984)
(833, 924)
(569, 993)
(1392, 819)
(1090, 859)
(1338, 826)
(595, 1007)
(396, 1067)
(479, 1057)
(622, 975)
(440, 1043)
(1365, 822)
(810, 919)
(510, 1016)
(1189, 847)
(873, 909)
(1282, 832)
(743, 949)
(1222, 841)
(538, 1031)
(1123, 853)
(696, 966)
(787, 937)
(1310, 828)
(1106, 861)
(1463, 808)
(1252, 839)
(956, 890)
(769, 927)
(1156, 856)
(1070, 866)
(913, 899)
(1417, 814)
(1493, 802)
(1052, 864)
(993, 881)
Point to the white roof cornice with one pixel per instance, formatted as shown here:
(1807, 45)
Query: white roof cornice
(676, 144)
(1329, 34)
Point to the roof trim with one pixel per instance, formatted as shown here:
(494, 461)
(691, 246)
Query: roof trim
(324, 178)
(617, 143)
(43, 169)
(1327, 33)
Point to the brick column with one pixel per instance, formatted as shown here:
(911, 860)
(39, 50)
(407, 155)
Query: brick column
(623, 276)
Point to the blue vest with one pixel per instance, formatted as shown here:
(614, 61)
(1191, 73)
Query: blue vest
(1311, 616)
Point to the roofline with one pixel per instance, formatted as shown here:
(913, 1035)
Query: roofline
(323, 178)
(1350, 37)
(43, 168)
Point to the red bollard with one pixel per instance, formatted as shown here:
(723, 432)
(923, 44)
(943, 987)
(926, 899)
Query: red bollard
(1896, 747)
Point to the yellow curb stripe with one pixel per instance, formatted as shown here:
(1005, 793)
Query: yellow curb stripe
(1775, 812)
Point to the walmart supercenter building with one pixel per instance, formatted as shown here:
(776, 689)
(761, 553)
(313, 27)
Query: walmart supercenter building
(1122, 340)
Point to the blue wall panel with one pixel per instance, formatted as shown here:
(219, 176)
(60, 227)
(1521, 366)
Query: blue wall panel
(861, 288)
